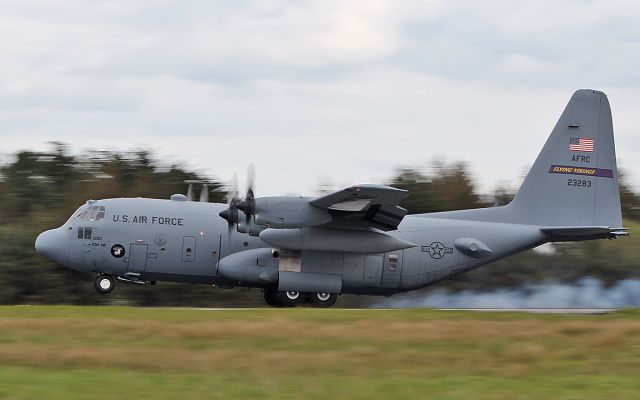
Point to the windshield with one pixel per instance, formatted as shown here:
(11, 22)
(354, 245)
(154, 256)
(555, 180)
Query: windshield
(91, 212)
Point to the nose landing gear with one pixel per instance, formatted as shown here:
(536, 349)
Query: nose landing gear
(104, 284)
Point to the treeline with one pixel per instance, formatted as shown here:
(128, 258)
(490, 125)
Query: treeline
(40, 190)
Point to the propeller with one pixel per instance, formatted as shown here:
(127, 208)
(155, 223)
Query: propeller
(231, 213)
(247, 206)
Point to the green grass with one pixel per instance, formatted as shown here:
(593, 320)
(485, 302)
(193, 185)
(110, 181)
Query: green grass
(134, 353)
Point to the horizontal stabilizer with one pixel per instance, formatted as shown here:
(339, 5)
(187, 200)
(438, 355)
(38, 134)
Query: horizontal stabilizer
(575, 233)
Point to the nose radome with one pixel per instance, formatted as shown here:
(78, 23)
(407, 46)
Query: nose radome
(54, 245)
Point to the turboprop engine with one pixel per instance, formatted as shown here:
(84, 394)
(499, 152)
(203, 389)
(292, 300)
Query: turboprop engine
(288, 212)
(259, 266)
(318, 245)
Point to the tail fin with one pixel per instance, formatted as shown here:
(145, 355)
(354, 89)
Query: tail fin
(574, 181)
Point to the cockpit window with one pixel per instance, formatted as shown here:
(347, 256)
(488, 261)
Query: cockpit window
(80, 232)
(84, 212)
(91, 213)
(87, 233)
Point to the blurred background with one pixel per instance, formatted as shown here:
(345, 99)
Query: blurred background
(40, 190)
(450, 100)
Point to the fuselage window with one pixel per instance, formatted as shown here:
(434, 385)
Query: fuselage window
(87, 233)
(80, 232)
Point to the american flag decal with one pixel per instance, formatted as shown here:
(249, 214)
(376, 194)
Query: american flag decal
(581, 144)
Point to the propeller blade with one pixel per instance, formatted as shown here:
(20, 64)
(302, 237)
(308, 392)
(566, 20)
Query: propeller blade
(233, 190)
(249, 203)
(231, 213)
(251, 178)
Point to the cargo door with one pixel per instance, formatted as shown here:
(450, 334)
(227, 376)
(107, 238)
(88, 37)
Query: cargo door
(137, 257)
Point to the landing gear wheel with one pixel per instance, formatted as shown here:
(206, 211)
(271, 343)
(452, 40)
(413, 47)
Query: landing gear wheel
(323, 299)
(104, 284)
(291, 299)
(271, 298)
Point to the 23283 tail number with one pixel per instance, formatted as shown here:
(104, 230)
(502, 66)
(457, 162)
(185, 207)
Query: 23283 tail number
(579, 183)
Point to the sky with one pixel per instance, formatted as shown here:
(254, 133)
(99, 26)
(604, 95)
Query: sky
(315, 93)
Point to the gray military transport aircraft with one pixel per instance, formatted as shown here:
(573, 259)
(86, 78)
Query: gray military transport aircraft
(357, 240)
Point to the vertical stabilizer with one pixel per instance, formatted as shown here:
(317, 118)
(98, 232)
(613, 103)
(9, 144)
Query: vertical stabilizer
(574, 180)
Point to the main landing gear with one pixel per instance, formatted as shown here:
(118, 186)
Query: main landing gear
(104, 284)
(292, 299)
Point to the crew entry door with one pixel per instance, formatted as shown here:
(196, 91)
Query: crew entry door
(137, 257)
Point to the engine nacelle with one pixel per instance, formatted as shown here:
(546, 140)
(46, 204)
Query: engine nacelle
(251, 228)
(337, 240)
(257, 266)
(288, 212)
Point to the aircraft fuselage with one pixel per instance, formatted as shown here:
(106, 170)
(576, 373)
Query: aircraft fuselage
(183, 241)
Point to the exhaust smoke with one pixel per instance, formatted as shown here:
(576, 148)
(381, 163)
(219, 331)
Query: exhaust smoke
(586, 293)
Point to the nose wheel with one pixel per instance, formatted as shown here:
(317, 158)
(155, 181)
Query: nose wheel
(104, 284)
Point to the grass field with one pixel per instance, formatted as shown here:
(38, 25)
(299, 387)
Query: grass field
(133, 353)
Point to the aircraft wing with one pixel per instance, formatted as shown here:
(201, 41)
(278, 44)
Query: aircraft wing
(364, 206)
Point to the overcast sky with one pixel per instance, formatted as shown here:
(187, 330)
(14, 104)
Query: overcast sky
(312, 92)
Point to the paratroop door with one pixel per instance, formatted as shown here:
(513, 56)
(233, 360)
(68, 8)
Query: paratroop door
(188, 248)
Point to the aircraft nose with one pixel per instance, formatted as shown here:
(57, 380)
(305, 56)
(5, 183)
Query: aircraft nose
(54, 245)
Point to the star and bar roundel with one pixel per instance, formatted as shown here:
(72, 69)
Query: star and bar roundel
(437, 250)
